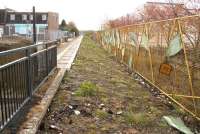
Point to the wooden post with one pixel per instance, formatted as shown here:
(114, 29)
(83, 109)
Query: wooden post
(187, 64)
(150, 56)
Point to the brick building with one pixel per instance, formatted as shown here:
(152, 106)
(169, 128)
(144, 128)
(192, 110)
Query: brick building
(20, 23)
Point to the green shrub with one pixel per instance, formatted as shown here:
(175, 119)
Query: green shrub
(87, 88)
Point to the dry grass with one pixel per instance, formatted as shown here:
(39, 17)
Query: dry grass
(95, 69)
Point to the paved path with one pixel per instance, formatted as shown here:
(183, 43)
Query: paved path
(65, 57)
(67, 53)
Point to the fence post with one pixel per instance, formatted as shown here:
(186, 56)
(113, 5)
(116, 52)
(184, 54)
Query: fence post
(29, 73)
(55, 54)
(187, 65)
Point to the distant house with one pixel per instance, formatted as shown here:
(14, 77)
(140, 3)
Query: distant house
(20, 23)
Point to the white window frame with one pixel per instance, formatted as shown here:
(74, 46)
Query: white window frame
(24, 17)
(31, 17)
(44, 17)
(12, 17)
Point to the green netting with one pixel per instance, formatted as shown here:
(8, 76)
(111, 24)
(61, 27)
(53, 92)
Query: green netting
(133, 38)
(105, 37)
(123, 51)
(174, 46)
(155, 35)
(117, 37)
(123, 38)
(130, 61)
(113, 37)
(144, 41)
(108, 38)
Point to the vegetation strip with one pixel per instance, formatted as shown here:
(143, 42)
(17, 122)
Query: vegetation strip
(99, 96)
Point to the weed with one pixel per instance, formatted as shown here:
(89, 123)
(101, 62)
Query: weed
(136, 118)
(155, 110)
(101, 114)
(162, 124)
(86, 89)
(178, 110)
(92, 126)
(66, 79)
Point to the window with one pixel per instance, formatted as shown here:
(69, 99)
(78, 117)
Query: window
(44, 17)
(12, 17)
(42, 29)
(31, 17)
(24, 17)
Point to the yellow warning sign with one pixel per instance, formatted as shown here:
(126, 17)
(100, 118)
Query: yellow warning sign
(165, 69)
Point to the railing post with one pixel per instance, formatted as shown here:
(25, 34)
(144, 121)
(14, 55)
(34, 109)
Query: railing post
(47, 60)
(55, 56)
(29, 73)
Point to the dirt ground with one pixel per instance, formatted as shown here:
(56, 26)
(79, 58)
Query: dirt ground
(13, 42)
(99, 96)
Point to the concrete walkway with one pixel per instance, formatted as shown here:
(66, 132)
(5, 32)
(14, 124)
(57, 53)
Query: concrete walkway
(67, 54)
(65, 58)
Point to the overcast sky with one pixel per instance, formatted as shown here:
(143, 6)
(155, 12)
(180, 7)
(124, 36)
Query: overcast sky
(87, 14)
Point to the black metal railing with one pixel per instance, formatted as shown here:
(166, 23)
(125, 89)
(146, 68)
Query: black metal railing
(22, 71)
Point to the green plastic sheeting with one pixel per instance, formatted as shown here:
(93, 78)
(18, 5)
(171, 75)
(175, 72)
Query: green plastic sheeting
(123, 38)
(178, 124)
(113, 37)
(123, 51)
(117, 37)
(145, 41)
(133, 38)
(174, 46)
(108, 38)
(130, 61)
(105, 37)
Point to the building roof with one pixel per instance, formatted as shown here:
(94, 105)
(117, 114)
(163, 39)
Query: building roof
(14, 11)
(8, 10)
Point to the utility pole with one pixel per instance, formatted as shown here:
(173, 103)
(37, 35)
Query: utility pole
(34, 25)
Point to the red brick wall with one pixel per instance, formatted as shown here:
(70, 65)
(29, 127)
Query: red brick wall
(53, 21)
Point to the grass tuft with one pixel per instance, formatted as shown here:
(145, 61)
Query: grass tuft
(101, 114)
(136, 118)
(86, 89)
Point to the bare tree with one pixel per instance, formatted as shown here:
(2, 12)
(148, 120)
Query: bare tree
(157, 11)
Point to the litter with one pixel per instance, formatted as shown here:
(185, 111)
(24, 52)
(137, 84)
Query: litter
(178, 124)
(77, 112)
